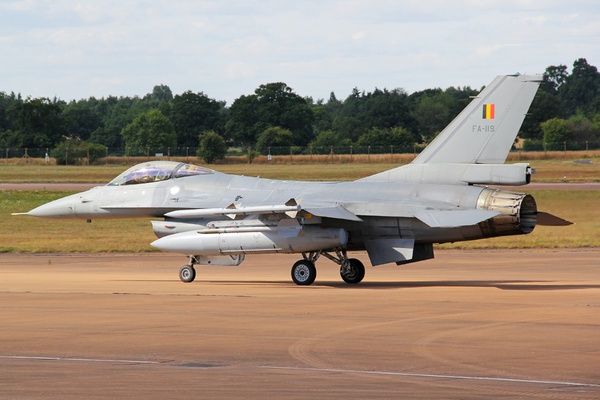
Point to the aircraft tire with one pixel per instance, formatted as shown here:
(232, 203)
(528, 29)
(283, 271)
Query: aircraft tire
(304, 272)
(354, 273)
(187, 274)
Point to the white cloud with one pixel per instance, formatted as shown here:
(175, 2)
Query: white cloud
(240, 70)
(488, 50)
(18, 5)
(226, 48)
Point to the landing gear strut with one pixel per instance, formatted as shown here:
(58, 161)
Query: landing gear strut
(351, 270)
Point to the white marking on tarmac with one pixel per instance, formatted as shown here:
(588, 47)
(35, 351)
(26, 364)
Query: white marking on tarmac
(98, 360)
(328, 370)
(413, 375)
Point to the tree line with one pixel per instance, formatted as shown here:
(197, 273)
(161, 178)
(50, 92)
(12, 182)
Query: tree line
(565, 109)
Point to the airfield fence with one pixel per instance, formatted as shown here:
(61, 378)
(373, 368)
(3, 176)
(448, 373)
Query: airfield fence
(285, 154)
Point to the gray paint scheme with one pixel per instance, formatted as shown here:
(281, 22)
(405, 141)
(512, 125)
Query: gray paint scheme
(395, 216)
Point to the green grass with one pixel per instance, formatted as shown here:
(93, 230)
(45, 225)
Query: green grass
(569, 170)
(28, 234)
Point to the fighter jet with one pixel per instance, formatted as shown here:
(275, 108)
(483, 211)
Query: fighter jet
(396, 216)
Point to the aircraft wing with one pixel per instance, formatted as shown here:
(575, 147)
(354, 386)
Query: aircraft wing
(435, 217)
(453, 218)
(234, 212)
(290, 208)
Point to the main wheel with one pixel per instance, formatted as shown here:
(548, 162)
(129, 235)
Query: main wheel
(353, 271)
(304, 272)
(187, 273)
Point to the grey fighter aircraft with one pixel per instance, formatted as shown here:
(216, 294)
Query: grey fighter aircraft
(396, 215)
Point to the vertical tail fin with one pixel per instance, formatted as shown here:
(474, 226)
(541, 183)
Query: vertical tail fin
(483, 133)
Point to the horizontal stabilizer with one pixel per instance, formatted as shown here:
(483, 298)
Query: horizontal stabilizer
(454, 218)
(547, 219)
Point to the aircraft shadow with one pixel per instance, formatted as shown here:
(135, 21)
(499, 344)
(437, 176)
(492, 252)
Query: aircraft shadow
(502, 285)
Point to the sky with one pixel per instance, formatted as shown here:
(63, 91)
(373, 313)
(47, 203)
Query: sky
(76, 49)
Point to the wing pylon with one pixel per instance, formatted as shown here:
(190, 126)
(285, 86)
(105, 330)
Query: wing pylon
(290, 208)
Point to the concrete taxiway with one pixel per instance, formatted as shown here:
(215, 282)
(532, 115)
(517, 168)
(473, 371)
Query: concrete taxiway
(466, 325)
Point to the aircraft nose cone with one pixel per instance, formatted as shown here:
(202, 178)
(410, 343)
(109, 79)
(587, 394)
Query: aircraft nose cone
(61, 208)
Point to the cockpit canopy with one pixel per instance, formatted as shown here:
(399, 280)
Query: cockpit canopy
(155, 171)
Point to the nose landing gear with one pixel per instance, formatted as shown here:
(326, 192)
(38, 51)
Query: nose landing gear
(187, 273)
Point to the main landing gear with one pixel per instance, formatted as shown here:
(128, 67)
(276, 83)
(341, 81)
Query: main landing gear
(304, 271)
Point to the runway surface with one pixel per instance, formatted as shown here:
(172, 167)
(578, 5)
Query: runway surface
(466, 325)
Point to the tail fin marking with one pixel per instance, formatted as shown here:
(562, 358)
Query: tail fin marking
(483, 133)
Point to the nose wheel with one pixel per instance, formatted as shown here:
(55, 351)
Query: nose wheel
(187, 273)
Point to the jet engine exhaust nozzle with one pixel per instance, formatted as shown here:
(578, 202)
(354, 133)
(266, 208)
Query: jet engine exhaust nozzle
(518, 212)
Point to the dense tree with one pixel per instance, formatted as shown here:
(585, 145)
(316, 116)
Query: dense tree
(193, 113)
(595, 130)
(115, 116)
(544, 106)
(554, 77)
(323, 119)
(461, 97)
(8, 137)
(212, 147)
(81, 120)
(162, 93)
(350, 127)
(275, 136)
(396, 138)
(580, 88)
(151, 129)
(584, 129)
(74, 151)
(272, 104)
(38, 122)
(244, 126)
(327, 139)
(556, 132)
(362, 111)
(6, 101)
(432, 113)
